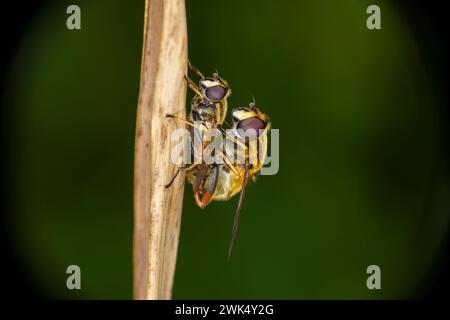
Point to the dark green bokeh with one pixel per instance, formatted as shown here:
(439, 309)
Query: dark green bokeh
(361, 174)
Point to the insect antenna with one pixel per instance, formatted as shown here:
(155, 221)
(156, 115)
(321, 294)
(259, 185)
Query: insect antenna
(252, 104)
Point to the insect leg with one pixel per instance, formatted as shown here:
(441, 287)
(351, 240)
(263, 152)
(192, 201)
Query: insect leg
(195, 70)
(238, 213)
(240, 143)
(177, 172)
(229, 163)
(173, 178)
(174, 116)
(191, 84)
(226, 122)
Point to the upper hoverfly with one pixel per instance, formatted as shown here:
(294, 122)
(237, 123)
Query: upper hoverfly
(208, 112)
(221, 181)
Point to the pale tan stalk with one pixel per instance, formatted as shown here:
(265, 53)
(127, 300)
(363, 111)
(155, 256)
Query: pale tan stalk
(157, 211)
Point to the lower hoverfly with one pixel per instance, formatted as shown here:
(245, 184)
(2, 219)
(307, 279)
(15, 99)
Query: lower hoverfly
(246, 142)
(219, 181)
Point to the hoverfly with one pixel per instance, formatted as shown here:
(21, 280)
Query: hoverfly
(219, 182)
(209, 104)
(208, 112)
(249, 126)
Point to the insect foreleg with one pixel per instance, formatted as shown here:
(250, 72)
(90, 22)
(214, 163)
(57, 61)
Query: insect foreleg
(172, 179)
(233, 139)
(184, 169)
(195, 70)
(191, 84)
(229, 163)
(174, 116)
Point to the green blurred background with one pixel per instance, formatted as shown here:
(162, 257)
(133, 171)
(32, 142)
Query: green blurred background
(362, 178)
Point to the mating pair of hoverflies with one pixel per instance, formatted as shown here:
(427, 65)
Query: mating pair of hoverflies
(249, 127)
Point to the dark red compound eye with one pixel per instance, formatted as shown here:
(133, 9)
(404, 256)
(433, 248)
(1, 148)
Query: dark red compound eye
(216, 92)
(250, 128)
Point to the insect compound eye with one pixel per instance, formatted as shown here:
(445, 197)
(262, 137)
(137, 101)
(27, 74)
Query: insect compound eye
(250, 127)
(215, 92)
